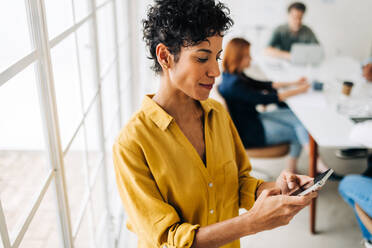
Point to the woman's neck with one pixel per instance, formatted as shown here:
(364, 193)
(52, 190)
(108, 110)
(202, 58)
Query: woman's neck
(175, 102)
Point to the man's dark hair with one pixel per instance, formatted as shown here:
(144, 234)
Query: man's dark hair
(177, 23)
(298, 6)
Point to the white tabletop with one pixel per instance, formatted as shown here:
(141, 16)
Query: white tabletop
(315, 109)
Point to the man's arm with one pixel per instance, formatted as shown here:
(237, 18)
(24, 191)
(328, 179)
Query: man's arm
(275, 52)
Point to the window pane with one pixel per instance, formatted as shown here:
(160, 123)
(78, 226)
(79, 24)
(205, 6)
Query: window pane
(20, 125)
(67, 88)
(109, 141)
(99, 201)
(75, 175)
(85, 237)
(81, 8)
(126, 95)
(23, 162)
(15, 41)
(122, 15)
(99, 2)
(105, 36)
(59, 16)
(92, 136)
(44, 230)
(86, 57)
(109, 99)
(112, 133)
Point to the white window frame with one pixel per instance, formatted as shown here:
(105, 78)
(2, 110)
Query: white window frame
(41, 56)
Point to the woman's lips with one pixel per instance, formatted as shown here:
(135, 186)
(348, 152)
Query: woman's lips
(207, 86)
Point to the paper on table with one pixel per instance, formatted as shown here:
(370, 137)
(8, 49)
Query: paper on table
(362, 133)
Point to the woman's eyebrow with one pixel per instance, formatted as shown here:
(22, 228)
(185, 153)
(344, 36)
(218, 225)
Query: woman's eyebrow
(204, 50)
(207, 50)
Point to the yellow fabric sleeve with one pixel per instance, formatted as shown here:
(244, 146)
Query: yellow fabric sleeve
(152, 218)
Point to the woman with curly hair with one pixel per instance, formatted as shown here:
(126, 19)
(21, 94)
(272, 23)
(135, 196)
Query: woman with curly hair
(181, 168)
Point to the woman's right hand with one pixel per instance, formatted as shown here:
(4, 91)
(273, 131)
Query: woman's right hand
(300, 81)
(302, 88)
(272, 210)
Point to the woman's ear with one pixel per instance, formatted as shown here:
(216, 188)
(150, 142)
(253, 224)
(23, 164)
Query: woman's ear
(163, 56)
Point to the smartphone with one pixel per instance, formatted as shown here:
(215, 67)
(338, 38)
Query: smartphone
(317, 183)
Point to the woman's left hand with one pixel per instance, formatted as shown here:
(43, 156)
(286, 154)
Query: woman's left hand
(289, 182)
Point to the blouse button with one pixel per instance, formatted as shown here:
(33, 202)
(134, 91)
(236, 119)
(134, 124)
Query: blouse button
(210, 185)
(211, 211)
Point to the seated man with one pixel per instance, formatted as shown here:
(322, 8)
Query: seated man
(292, 32)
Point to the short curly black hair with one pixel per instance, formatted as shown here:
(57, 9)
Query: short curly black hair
(177, 23)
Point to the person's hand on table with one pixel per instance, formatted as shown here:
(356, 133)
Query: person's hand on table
(303, 87)
(288, 182)
(367, 72)
(301, 81)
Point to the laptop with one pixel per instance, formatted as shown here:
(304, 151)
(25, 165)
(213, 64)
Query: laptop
(357, 110)
(306, 54)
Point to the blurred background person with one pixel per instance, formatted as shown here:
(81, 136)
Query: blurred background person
(285, 35)
(243, 94)
(356, 191)
(367, 69)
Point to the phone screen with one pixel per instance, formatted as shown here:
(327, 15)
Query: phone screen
(310, 184)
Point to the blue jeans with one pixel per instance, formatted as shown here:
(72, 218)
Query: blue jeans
(282, 126)
(358, 189)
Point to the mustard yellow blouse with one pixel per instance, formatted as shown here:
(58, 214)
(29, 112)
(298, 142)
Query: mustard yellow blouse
(167, 190)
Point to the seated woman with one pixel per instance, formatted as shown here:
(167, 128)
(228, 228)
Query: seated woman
(181, 169)
(243, 94)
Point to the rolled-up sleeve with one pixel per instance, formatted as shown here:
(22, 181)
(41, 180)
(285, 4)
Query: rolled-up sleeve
(247, 184)
(152, 218)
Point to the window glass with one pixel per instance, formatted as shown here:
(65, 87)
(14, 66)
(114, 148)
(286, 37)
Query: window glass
(94, 153)
(75, 175)
(15, 41)
(105, 36)
(44, 230)
(98, 198)
(125, 86)
(122, 20)
(109, 99)
(99, 2)
(86, 57)
(86, 236)
(81, 8)
(23, 161)
(59, 16)
(67, 88)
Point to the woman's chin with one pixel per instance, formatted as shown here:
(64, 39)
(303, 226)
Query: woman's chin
(202, 97)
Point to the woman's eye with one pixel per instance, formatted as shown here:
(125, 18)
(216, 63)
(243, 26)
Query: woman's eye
(202, 60)
(218, 58)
